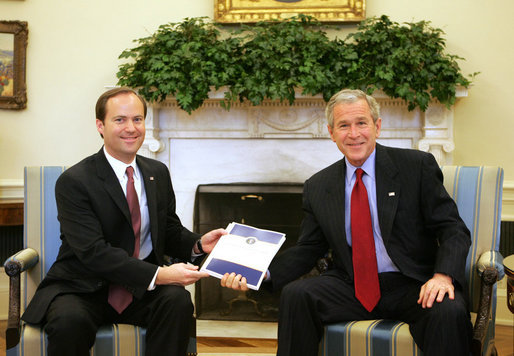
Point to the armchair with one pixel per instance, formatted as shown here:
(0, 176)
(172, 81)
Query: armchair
(478, 194)
(28, 267)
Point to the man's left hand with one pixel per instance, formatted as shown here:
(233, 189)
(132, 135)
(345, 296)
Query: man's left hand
(435, 289)
(210, 239)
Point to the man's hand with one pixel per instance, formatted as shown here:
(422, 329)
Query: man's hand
(179, 274)
(210, 239)
(234, 282)
(435, 289)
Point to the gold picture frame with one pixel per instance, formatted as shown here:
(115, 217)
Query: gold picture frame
(251, 11)
(13, 49)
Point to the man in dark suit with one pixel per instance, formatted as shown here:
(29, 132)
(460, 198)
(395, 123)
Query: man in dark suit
(419, 243)
(119, 229)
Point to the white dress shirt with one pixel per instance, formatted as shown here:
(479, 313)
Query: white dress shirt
(384, 262)
(145, 243)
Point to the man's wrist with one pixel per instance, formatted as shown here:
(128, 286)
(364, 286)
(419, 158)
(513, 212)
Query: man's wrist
(198, 246)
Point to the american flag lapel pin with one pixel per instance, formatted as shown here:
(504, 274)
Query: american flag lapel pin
(151, 178)
(391, 194)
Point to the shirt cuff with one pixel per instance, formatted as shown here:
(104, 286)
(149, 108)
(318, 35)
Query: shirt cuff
(152, 283)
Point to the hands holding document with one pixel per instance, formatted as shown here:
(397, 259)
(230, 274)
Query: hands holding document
(240, 258)
(233, 281)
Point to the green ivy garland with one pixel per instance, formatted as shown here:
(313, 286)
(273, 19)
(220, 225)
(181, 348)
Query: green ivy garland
(273, 58)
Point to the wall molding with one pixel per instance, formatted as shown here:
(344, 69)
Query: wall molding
(508, 201)
(11, 190)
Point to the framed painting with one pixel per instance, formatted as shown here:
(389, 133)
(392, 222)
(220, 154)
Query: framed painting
(13, 48)
(251, 11)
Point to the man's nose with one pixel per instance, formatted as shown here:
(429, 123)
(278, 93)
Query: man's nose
(130, 126)
(354, 130)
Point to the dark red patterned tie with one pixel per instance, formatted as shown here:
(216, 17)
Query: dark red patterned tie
(367, 289)
(119, 297)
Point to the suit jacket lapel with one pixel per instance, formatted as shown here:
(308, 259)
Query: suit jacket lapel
(336, 204)
(388, 191)
(112, 184)
(151, 196)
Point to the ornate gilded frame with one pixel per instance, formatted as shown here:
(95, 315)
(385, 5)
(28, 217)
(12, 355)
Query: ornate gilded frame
(251, 11)
(18, 99)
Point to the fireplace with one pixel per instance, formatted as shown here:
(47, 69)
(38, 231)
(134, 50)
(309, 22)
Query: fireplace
(274, 142)
(269, 206)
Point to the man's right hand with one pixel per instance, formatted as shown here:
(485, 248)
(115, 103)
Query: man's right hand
(233, 281)
(179, 274)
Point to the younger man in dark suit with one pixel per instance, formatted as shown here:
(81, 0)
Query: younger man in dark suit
(398, 243)
(117, 215)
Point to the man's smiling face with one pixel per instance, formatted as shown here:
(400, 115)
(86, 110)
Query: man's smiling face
(354, 131)
(123, 128)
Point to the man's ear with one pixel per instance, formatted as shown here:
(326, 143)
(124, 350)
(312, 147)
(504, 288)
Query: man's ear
(378, 125)
(100, 127)
(330, 131)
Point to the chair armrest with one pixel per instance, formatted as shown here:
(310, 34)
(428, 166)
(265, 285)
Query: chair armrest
(21, 261)
(14, 266)
(490, 268)
(491, 259)
(325, 263)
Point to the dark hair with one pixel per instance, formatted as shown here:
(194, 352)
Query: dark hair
(101, 103)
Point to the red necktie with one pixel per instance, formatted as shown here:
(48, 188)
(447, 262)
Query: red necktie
(119, 297)
(365, 270)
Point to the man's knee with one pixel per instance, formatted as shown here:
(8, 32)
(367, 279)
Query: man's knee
(447, 323)
(293, 290)
(450, 310)
(176, 298)
(70, 333)
(71, 324)
(295, 295)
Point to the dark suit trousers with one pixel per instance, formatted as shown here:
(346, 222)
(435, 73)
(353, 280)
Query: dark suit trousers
(73, 320)
(308, 304)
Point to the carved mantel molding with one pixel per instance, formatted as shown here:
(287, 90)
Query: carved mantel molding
(430, 131)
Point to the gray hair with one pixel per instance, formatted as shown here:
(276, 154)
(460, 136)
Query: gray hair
(349, 96)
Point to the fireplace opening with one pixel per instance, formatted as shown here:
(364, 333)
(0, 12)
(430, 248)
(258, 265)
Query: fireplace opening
(272, 206)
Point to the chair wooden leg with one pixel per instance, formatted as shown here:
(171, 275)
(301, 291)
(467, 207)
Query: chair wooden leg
(488, 279)
(494, 352)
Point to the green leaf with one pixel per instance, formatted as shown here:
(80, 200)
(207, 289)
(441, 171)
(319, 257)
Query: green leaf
(272, 58)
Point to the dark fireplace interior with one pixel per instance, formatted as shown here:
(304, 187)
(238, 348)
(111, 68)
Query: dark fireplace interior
(276, 207)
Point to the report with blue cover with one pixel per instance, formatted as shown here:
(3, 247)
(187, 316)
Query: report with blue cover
(245, 250)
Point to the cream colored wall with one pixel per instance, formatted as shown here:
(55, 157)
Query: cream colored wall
(480, 32)
(72, 54)
(74, 45)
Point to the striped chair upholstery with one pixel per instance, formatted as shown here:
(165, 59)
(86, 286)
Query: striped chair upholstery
(41, 242)
(478, 194)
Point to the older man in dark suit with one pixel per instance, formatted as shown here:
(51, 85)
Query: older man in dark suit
(118, 228)
(398, 243)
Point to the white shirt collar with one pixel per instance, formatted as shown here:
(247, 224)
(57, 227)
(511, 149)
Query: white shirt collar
(368, 166)
(120, 167)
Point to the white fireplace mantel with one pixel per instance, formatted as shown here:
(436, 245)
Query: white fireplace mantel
(273, 142)
(430, 131)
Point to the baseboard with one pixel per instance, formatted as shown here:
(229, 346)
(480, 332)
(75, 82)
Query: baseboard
(503, 314)
(236, 329)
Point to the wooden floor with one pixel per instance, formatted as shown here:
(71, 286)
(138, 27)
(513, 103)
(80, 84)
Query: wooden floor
(229, 346)
(216, 345)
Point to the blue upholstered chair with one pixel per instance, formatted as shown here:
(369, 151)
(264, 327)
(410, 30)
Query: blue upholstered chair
(41, 243)
(478, 194)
